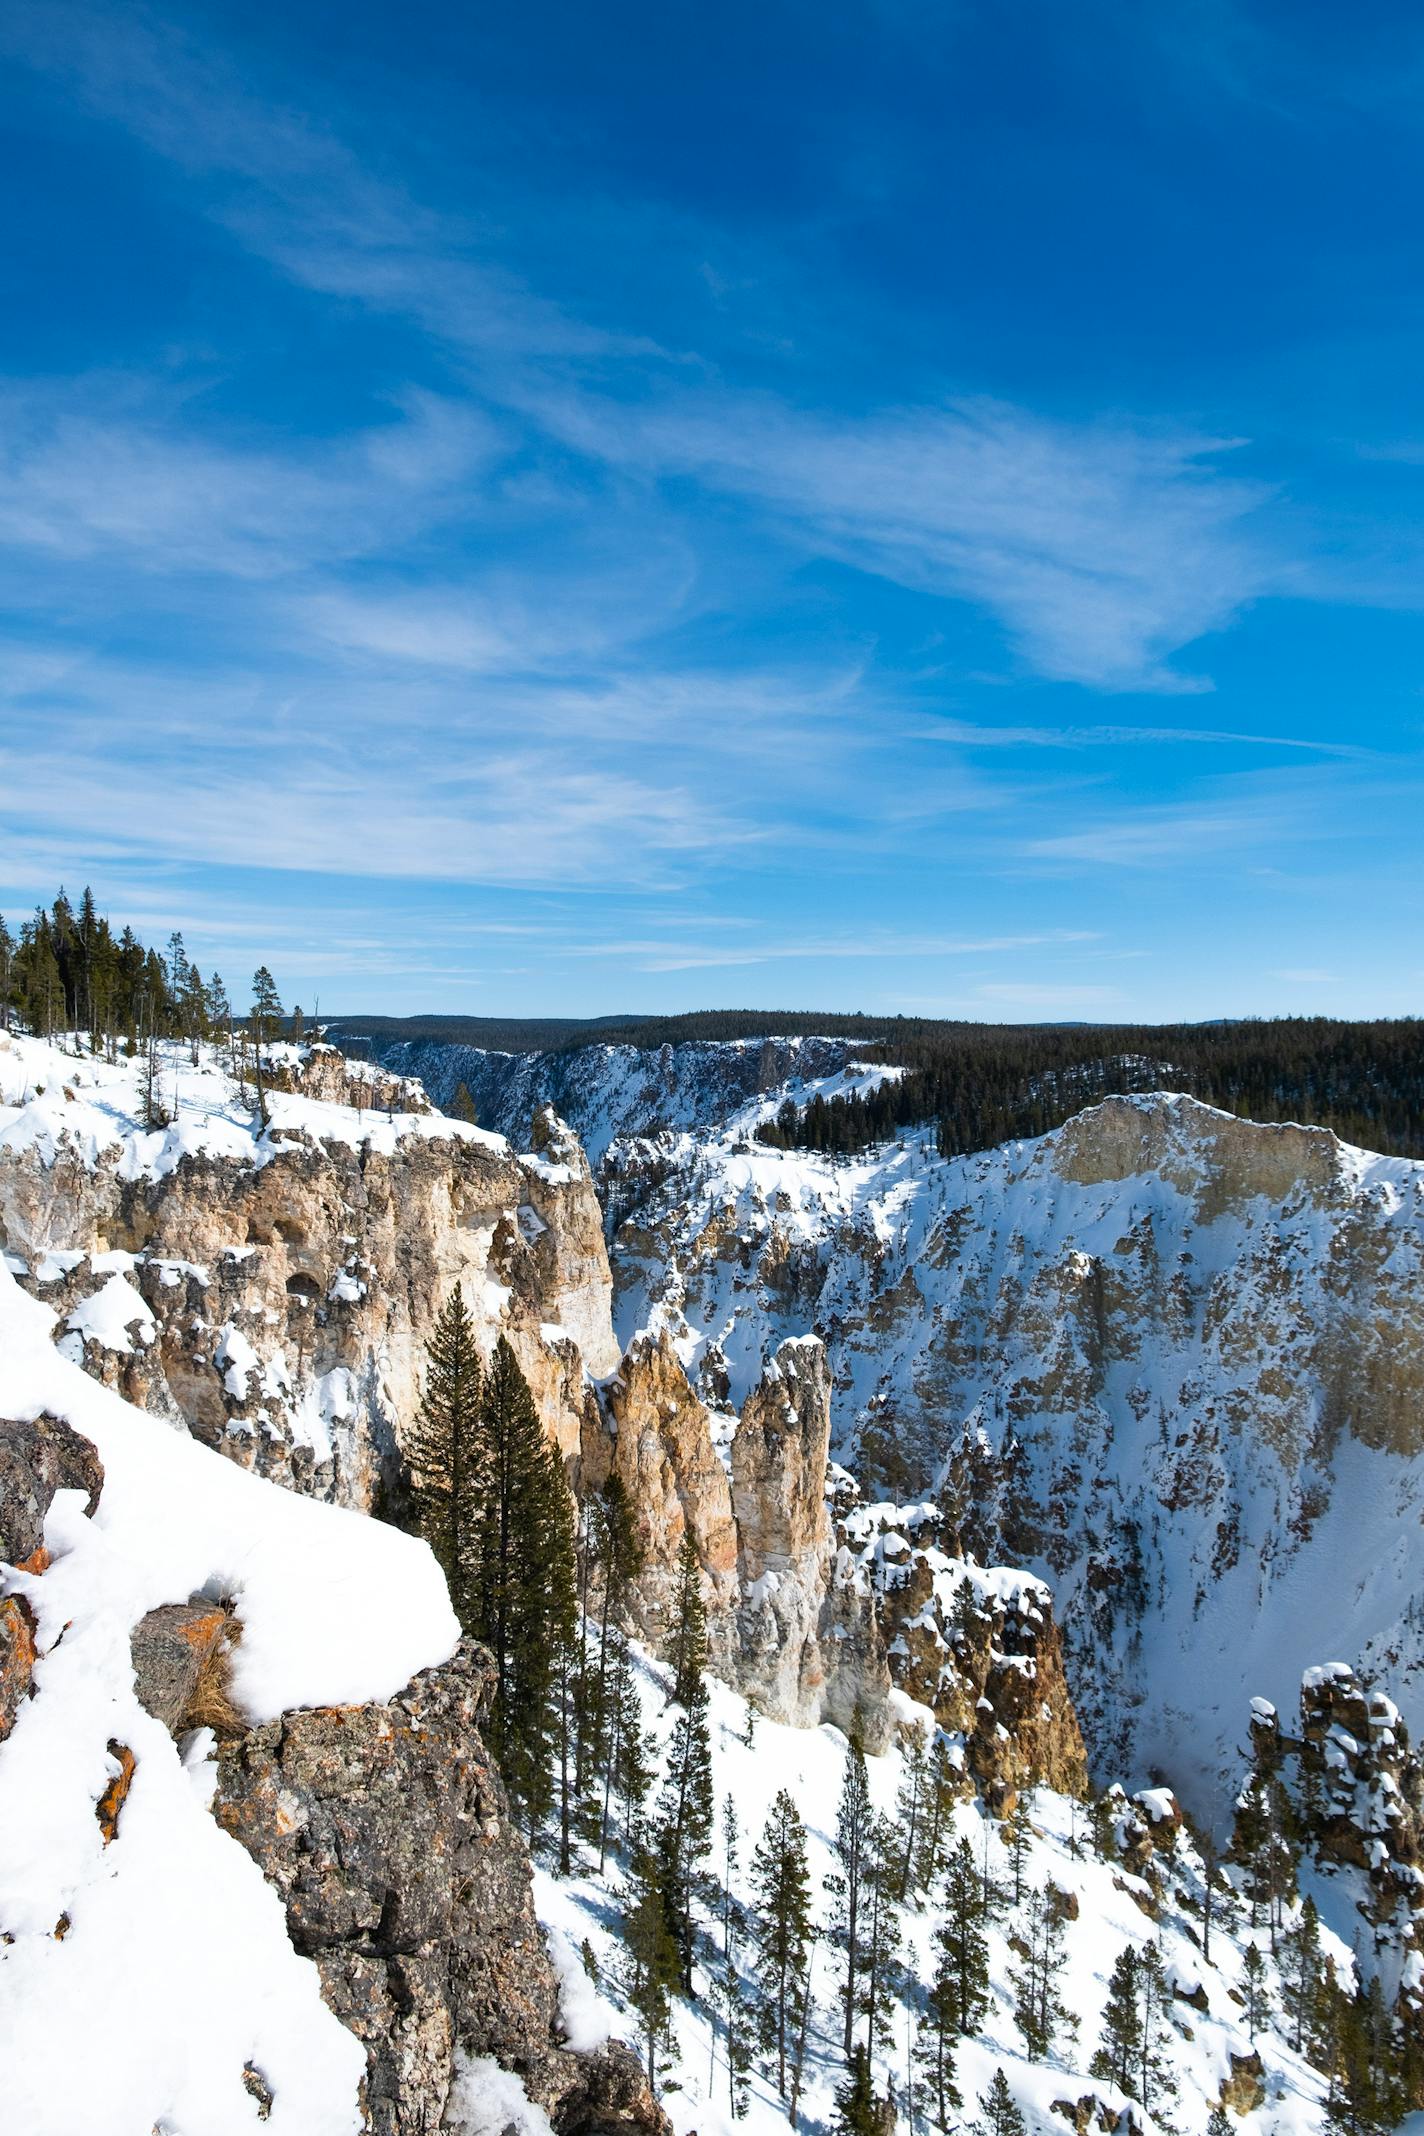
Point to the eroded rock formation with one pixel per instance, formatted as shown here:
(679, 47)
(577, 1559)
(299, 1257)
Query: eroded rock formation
(279, 1303)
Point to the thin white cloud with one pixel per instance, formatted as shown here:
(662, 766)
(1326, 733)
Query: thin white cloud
(1102, 548)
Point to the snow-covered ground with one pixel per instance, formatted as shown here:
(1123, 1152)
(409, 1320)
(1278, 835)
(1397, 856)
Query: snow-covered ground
(137, 1980)
(58, 1095)
(1110, 1903)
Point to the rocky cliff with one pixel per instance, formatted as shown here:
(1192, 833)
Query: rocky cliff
(273, 1289)
(1171, 1360)
(158, 1705)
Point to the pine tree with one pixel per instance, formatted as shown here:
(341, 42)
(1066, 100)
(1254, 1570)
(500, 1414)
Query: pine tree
(1365, 2097)
(943, 1787)
(444, 1452)
(685, 1805)
(857, 2108)
(265, 1018)
(781, 1916)
(561, 1598)
(1120, 2042)
(728, 2000)
(652, 1960)
(911, 1806)
(462, 1105)
(266, 1006)
(1255, 1989)
(936, 2040)
(1018, 1837)
(628, 1776)
(614, 1551)
(883, 1863)
(1001, 2116)
(1302, 1969)
(1039, 2010)
(1102, 1816)
(1156, 2078)
(847, 1887)
(961, 1983)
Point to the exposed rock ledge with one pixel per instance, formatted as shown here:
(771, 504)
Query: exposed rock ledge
(386, 1831)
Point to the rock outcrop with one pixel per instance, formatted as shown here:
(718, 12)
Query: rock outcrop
(778, 1461)
(1159, 1354)
(386, 1830)
(978, 1646)
(37, 1459)
(275, 1293)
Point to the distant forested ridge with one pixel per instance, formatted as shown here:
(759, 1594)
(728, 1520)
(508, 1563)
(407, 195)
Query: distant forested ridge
(984, 1084)
(990, 1083)
(67, 967)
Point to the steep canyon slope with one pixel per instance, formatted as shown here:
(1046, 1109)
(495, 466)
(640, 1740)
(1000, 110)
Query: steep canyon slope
(1172, 1360)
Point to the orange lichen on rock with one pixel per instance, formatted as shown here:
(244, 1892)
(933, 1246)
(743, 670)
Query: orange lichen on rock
(115, 1795)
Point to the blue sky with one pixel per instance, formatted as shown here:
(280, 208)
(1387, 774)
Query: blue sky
(571, 509)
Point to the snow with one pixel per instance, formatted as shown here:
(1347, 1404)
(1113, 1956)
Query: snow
(175, 1969)
(115, 1316)
(810, 1763)
(57, 1104)
(486, 2100)
(959, 1299)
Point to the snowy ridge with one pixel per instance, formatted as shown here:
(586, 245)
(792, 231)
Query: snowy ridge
(607, 1092)
(85, 1108)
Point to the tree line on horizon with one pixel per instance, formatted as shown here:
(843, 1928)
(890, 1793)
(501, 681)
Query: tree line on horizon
(68, 968)
(985, 1084)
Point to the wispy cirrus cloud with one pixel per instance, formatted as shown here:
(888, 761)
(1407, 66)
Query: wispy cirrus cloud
(1102, 548)
(103, 470)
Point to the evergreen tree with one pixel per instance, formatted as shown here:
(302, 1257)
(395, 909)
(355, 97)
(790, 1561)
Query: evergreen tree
(1255, 1989)
(266, 1007)
(685, 1805)
(943, 1786)
(936, 2040)
(563, 1626)
(857, 2108)
(1039, 2010)
(1302, 1969)
(961, 1985)
(462, 1105)
(1102, 1816)
(853, 1818)
(444, 1452)
(1120, 2042)
(911, 1807)
(728, 2001)
(628, 1776)
(1365, 2096)
(614, 1553)
(1156, 2078)
(781, 1916)
(652, 1962)
(1018, 1836)
(884, 1860)
(1001, 2116)
(7, 973)
(520, 1581)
